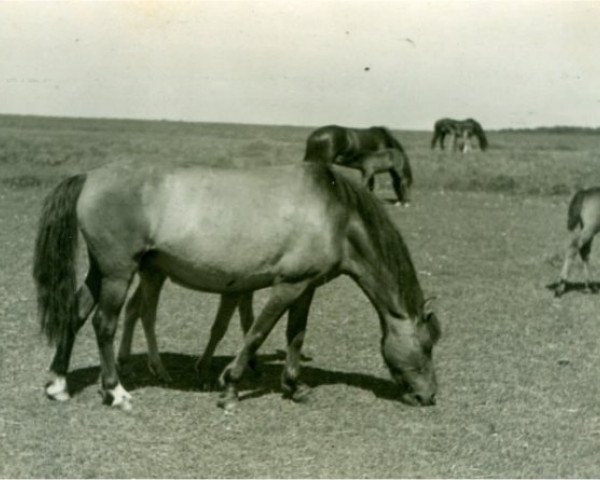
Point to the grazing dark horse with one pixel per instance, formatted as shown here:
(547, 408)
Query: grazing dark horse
(230, 232)
(584, 212)
(381, 161)
(143, 299)
(350, 147)
(461, 132)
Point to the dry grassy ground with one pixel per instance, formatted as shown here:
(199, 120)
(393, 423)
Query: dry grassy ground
(519, 370)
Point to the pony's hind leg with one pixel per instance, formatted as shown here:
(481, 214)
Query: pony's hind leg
(295, 332)
(580, 243)
(584, 251)
(133, 311)
(227, 307)
(112, 295)
(87, 297)
(151, 283)
(571, 253)
(282, 296)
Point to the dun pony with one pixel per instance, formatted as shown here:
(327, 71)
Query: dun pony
(230, 232)
(584, 221)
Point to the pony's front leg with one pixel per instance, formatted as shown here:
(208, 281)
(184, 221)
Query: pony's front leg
(246, 321)
(368, 179)
(282, 295)
(112, 296)
(400, 188)
(295, 332)
(570, 255)
(584, 251)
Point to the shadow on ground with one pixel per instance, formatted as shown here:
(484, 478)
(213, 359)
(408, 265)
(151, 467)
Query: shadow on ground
(181, 368)
(582, 287)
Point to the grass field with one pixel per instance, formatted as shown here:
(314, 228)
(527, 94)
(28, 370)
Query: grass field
(519, 371)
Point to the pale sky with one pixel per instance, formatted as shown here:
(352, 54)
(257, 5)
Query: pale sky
(305, 62)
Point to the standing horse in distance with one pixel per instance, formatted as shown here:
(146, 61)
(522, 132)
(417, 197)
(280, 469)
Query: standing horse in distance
(461, 132)
(355, 147)
(584, 212)
(227, 231)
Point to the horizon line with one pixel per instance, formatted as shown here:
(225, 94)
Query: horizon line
(277, 125)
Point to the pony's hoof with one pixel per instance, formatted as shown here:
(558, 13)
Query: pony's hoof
(296, 391)
(57, 389)
(207, 384)
(118, 397)
(302, 393)
(228, 403)
(205, 380)
(160, 372)
(560, 289)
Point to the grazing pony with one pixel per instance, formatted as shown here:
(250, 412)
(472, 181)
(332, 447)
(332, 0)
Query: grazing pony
(461, 131)
(584, 212)
(351, 147)
(227, 231)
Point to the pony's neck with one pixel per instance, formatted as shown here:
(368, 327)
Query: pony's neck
(394, 293)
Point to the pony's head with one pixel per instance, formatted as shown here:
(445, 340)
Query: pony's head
(407, 351)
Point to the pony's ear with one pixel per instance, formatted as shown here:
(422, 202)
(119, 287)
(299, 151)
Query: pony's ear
(433, 324)
(427, 305)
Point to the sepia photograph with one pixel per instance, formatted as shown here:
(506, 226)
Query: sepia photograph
(299, 239)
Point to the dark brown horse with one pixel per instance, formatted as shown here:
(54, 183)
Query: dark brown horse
(230, 232)
(461, 132)
(352, 147)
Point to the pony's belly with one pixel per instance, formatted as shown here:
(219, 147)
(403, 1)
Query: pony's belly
(213, 274)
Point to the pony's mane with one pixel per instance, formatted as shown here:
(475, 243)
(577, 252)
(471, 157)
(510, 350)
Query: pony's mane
(388, 244)
(391, 140)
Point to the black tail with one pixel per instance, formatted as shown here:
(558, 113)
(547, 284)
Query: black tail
(55, 256)
(574, 216)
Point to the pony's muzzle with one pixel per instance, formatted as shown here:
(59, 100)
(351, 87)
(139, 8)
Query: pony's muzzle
(418, 400)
